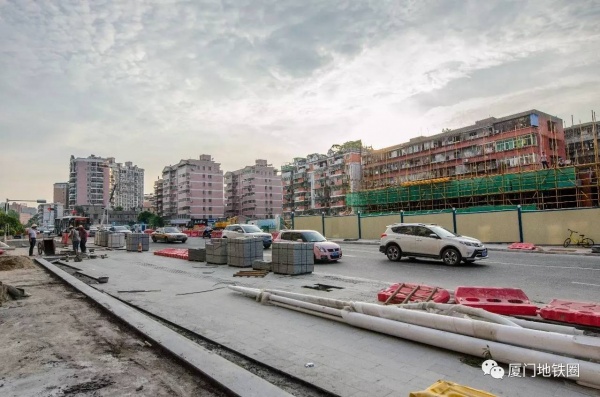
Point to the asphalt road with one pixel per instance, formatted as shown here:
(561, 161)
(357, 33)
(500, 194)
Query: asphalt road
(542, 276)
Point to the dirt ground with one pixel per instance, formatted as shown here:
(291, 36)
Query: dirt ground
(57, 343)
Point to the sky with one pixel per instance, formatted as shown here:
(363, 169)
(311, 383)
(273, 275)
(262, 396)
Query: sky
(154, 82)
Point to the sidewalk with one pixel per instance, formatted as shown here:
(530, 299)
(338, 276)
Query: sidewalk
(540, 249)
(346, 361)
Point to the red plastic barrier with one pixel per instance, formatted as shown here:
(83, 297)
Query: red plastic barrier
(1, 252)
(195, 233)
(583, 313)
(507, 301)
(216, 234)
(274, 234)
(173, 253)
(522, 246)
(422, 294)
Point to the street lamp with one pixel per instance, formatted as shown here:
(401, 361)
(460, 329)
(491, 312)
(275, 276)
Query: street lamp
(39, 201)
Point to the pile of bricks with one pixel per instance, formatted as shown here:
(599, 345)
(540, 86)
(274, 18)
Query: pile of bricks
(173, 253)
(216, 251)
(197, 255)
(242, 251)
(258, 264)
(133, 240)
(293, 258)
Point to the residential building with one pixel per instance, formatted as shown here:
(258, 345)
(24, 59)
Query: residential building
(48, 212)
(254, 191)
(319, 183)
(149, 203)
(128, 183)
(580, 139)
(159, 197)
(192, 190)
(89, 181)
(61, 193)
(490, 146)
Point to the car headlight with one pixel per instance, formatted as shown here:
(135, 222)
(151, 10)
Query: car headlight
(322, 249)
(468, 243)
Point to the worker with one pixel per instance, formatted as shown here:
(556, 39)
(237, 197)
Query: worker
(83, 238)
(32, 232)
(74, 236)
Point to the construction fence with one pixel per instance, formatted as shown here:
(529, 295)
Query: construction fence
(516, 224)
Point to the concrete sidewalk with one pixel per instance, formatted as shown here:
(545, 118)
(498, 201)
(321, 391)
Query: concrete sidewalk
(539, 249)
(347, 361)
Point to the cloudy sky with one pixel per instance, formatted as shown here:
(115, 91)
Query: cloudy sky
(154, 82)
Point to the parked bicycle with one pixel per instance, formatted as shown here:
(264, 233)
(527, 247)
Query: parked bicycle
(579, 241)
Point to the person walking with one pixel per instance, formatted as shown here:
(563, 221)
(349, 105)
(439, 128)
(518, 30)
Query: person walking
(32, 238)
(544, 160)
(82, 238)
(74, 235)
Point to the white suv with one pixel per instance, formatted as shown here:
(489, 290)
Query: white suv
(429, 241)
(244, 230)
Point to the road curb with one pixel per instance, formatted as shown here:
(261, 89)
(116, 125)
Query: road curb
(228, 375)
(536, 251)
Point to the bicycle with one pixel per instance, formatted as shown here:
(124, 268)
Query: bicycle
(580, 241)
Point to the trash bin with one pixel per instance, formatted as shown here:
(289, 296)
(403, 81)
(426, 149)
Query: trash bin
(47, 247)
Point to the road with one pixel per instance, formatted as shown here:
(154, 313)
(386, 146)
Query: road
(542, 276)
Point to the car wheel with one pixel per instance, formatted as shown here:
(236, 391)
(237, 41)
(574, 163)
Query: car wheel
(154, 239)
(451, 256)
(183, 241)
(267, 246)
(393, 252)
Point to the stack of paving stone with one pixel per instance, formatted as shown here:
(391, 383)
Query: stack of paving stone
(101, 238)
(259, 264)
(197, 255)
(216, 251)
(133, 240)
(293, 258)
(242, 251)
(115, 240)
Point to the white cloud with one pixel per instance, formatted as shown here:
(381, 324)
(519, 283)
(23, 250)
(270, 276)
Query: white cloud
(153, 83)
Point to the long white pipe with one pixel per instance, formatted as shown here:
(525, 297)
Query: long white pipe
(307, 311)
(578, 346)
(589, 373)
(305, 305)
(472, 311)
(561, 329)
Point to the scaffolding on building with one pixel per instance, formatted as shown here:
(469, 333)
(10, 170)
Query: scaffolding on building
(553, 188)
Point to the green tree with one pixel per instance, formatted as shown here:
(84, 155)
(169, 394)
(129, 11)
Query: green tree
(156, 221)
(32, 220)
(145, 217)
(11, 221)
(119, 208)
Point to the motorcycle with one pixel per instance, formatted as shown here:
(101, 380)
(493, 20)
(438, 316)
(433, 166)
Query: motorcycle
(207, 233)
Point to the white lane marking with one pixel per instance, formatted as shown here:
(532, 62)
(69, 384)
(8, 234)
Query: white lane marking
(349, 256)
(594, 285)
(546, 266)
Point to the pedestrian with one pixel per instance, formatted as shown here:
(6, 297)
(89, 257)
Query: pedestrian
(74, 236)
(32, 238)
(544, 160)
(83, 238)
(561, 162)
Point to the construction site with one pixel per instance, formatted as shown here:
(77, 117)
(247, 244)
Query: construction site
(554, 188)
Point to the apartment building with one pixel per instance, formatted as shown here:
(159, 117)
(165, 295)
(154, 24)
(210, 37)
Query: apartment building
(89, 181)
(128, 183)
(192, 190)
(48, 212)
(319, 183)
(149, 203)
(582, 143)
(61, 193)
(490, 146)
(159, 197)
(254, 191)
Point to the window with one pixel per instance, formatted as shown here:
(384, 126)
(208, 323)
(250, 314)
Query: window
(408, 230)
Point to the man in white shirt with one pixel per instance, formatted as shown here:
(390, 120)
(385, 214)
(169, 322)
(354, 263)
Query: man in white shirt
(32, 238)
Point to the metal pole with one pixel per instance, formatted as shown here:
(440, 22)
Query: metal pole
(359, 227)
(454, 219)
(323, 222)
(6, 225)
(401, 216)
(520, 218)
(292, 220)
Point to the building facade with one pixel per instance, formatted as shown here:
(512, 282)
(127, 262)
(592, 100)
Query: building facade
(159, 197)
(319, 183)
(254, 192)
(128, 183)
(89, 181)
(582, 143)
(495, 145)
(192, 190)
(48, 212)
(61, 193)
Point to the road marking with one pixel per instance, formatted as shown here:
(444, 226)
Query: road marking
(594, 285)
(546, 266)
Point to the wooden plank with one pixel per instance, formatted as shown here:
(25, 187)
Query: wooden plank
(392, 296)
(411, 294)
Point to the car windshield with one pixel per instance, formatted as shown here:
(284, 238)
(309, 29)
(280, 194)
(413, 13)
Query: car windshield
(313, 237)
(120, 228)
(171, 230)
(440, 231)
(251, 229)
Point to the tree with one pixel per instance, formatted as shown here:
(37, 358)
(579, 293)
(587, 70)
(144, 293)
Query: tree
(156, 221)
(11, 220)
(32, 220)
(118, 208)
(145, 217)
